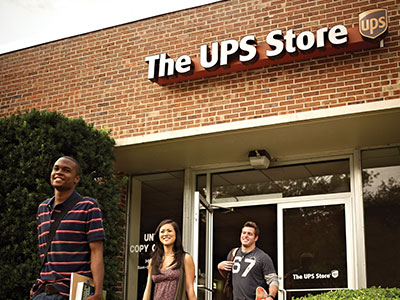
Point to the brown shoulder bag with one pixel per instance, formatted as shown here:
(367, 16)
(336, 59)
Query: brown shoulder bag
(227, 290)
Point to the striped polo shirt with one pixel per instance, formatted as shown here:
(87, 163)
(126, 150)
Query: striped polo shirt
(69, 250)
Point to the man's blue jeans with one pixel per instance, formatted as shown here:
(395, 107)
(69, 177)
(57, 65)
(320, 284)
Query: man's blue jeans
(44, 296)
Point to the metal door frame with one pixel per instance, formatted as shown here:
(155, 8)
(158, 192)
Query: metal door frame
(199, 200)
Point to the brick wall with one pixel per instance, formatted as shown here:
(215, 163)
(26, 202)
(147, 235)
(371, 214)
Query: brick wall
(102, 76)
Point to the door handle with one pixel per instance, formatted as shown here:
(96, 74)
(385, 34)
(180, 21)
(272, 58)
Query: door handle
(205, 288)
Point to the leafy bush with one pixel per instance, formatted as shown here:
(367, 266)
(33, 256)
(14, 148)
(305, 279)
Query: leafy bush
(373, 293)
(30, 143)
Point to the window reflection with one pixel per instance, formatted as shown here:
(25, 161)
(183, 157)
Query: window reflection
(381, 194)
(287, 181)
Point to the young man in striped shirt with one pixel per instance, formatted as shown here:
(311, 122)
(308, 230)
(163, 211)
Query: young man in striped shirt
(77, 245)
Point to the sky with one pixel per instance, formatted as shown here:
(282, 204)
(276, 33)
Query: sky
(25, 23)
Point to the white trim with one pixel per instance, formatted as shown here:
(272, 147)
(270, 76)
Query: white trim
(292, 201)
(358, 216)
(195, 242)
(315, 115)
(209, 253)
(207, 247)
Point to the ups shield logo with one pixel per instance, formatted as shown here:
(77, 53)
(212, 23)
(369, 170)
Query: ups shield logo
(373, 24)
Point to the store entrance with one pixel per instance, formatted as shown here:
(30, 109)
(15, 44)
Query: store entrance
(222, 225)
(304, 214)
(228, 224)
(306, 238)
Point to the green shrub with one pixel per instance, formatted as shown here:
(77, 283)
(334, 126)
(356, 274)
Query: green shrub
(29, 145)
(373, 293)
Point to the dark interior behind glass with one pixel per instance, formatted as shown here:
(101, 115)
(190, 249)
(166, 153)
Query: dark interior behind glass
(381, 194)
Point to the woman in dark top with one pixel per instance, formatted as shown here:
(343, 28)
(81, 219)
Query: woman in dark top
(170, 270)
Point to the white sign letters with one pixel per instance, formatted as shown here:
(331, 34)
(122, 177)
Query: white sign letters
(220, 54)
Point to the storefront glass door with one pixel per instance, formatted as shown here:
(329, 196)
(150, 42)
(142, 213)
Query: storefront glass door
(304, 215)
(314, 247)
(309, 241)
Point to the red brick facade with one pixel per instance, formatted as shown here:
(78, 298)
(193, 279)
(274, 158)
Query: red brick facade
(102, 76)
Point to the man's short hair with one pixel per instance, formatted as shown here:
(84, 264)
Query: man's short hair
(252, 225)
(77, 165)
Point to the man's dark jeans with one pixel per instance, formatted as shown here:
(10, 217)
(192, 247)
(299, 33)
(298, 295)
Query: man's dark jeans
(44, 296)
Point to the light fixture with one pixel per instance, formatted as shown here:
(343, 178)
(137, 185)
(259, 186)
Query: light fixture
(259, 159)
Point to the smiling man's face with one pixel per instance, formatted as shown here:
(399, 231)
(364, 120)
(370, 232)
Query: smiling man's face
(248, 237)
(64, 175)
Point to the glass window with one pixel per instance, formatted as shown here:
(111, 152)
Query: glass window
(381, 194)
(159, 196)
(287, 181)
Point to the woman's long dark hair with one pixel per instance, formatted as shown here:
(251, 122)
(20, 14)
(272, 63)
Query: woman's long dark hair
(158, 253)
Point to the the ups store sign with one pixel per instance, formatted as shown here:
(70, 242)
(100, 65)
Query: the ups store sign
(279, 47)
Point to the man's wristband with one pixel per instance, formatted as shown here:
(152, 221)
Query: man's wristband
(270, 296)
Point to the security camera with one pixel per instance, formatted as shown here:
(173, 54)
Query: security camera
(259, 159)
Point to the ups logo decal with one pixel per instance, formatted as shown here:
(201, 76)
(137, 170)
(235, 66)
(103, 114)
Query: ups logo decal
(373, 24)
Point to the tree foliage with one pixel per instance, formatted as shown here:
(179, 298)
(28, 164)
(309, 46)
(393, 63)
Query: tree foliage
(30, 143)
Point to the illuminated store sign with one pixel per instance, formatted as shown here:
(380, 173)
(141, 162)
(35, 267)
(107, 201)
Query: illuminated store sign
(232, 56)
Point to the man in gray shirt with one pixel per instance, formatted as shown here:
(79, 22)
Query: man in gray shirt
(251, 267)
